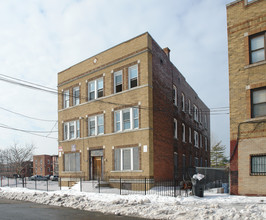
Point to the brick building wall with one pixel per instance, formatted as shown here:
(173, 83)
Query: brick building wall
(42, 165)
(245, 20)
(152, 97)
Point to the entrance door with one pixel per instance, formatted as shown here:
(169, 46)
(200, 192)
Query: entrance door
(97, 167)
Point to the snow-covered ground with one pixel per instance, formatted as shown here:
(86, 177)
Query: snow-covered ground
(211, 206)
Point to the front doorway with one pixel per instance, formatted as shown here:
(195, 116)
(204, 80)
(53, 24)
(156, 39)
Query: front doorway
(96, 167)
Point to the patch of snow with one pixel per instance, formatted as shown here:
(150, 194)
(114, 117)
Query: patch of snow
(211, 206)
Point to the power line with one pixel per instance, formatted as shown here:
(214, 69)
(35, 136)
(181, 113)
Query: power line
(56, 92)
(25, 131)
(39, 119)
(7, 126)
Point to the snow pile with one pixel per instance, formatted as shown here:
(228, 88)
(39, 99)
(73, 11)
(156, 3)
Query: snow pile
(212, 206)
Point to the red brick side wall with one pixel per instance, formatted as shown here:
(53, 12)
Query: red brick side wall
(233, 168)
(164, 75)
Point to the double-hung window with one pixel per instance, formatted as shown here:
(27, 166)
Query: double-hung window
(72, 162)
(189, 135)
(126, 159)
(66, 99)
(118, 81)
(258, 102)
(95, 89)
(183, 133)
(183, 102)
(126, 119)
(96, 125)
(174, 95)
(258, 164)
(71, 130)
(133, 76)
(175, 128)
(76, 100)
(196, 113)
(196, 139)
(257, 47)
(189, 107)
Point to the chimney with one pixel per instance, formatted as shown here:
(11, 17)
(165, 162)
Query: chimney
(167, 51)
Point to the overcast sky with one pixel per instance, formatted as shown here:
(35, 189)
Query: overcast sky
(41, 38)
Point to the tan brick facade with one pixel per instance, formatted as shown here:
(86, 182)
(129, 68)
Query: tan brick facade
(247, 133)
(153, 97)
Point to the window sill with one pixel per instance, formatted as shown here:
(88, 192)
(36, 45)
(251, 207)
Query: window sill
(126, 171)
(256, 119)
(65, 172)
(255, 64)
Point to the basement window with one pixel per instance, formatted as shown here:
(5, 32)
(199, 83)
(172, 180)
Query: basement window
(258, 164)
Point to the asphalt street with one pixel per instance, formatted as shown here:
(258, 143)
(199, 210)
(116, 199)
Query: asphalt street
(13, 209)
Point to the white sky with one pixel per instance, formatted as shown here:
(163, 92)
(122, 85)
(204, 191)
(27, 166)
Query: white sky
(41, 38)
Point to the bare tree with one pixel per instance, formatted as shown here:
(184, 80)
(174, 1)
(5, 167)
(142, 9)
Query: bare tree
(17, 157)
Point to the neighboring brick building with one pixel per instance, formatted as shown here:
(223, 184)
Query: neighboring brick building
(247, 83)
(128, 112)
(55, 165)
(42, 165)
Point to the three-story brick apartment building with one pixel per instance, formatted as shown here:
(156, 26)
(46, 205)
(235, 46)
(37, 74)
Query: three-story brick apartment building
(128, 112)
(247, 83)
(42, 165)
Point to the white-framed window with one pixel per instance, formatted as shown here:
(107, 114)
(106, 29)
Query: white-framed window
(66, 98)
(41, 161)
(257, 47)
(183, 132)
(258, 97)
(183, 102)
(95, 125)
(200, 115)
(118, 81)
(174, 95)
(189, 107)
(196, 139)
(189, 135)
(196, 113)
(71, 130)
(133, 76)
(206, 144)
(126, 119)
(95, 89)
(175, 128)
(72, 162)
(126, 159)
(196, 162)
(76, 100)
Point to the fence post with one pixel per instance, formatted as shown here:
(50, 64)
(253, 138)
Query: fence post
(47, 184)
(145, 186)
(174, 187)
(1, 181)
(120, 185)
(60, 182)
(16, 182)
(22, 182)
(80, 184)
(99, 184)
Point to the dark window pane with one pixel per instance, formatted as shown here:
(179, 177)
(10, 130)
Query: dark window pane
(133, 83)
(118, 88)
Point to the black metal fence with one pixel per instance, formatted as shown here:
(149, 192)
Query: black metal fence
(124, 186)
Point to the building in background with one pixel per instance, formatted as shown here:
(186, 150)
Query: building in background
(42, 165)
(55, 165)
(247, 83)
(128, 112)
